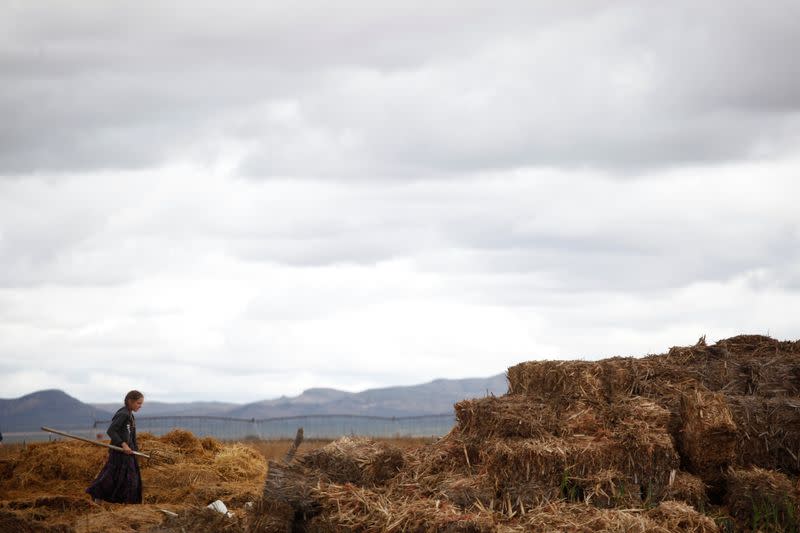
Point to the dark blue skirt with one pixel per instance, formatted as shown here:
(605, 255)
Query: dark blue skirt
(119, 481)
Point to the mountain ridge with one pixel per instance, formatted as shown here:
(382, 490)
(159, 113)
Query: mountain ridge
(434, 397)
(57, 408)
(49, 407)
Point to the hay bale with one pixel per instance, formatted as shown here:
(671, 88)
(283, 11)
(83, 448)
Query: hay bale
(761, 499)
(743, 365)
(238, 462)
(447, 468)
(689, 489)
(578, 518)
(466, 492)
(662, 382)
(184, 441)
(646, 461)
(605, 489)
(635, 410)
(453, 453)
(769, 432)
(758, 345)
(528, 416)
(678, 516)
(709, 435)
(603, 380)
(350, 508)
(520, 497)
(556, 379)
(507, 416)
(511, 462)
(356, 460)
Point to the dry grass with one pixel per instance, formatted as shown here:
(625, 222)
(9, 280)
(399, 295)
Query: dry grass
(42, 486)
(47, 483)
(10, 451)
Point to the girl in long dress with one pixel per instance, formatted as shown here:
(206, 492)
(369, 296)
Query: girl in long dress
(120, 480)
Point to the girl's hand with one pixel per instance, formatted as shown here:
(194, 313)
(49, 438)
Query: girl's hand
(126, 448)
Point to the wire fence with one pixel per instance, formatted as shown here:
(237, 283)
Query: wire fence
(314, 426)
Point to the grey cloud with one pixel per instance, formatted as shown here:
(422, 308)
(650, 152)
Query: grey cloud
(403, 91)
(603, 93)
(319, 251)
(575, 233)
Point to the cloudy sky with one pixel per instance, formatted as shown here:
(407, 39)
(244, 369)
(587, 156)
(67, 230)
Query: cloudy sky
(225, 201)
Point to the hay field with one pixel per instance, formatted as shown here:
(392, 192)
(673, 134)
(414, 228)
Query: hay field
(702, 438)
(42, 484)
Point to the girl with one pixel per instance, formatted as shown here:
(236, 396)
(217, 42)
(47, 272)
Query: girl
(120, 481)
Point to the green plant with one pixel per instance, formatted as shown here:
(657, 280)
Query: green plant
(770, 516)
(569, 488)
(725, 523)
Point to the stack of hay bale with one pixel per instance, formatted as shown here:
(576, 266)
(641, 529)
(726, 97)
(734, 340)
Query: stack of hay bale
(734, 418)
(586, 443)
(622, 444)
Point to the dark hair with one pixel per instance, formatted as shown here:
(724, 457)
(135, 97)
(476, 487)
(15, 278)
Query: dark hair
(133, 396)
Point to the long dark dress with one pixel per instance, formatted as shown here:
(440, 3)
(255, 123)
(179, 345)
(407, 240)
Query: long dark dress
(120, 480)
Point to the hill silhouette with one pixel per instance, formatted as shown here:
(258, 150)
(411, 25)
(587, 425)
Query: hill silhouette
(58, 409)
(50, 407)
(435, 397)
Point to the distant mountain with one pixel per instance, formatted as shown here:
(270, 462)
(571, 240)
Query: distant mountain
(52, 408)
(435, 397)
(58, 409)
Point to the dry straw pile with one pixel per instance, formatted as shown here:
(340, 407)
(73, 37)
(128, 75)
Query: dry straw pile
(702, 438)
(45, 488)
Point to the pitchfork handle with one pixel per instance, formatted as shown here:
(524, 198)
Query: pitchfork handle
(90, 441)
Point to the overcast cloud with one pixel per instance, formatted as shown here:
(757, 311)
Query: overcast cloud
(226, 201)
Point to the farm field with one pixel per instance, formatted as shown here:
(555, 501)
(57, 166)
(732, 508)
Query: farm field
(703, 438)
(42, 484)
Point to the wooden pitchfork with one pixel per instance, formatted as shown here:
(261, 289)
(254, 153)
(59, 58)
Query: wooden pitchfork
(90, 441)
(155, 457)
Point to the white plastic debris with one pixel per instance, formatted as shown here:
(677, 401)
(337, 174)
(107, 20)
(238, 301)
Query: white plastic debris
(220, 507)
